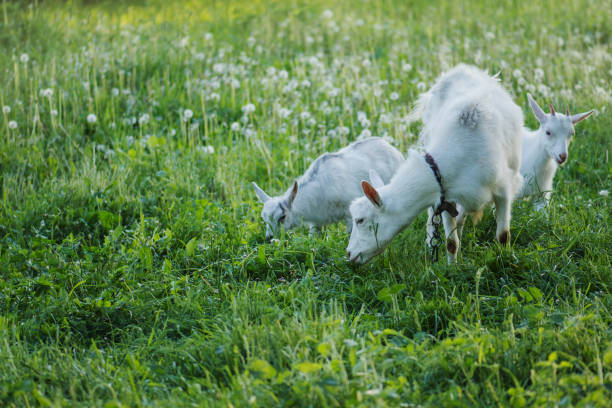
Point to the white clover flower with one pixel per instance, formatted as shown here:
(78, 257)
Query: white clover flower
(187, 114)
(604, 193)
(235, 127)
(327, 14)
(12, 124)
(305, 115)
(144, 118)
(248, 108)
(406, 67)
(54, 112)
(394, 96)
(92, 118)
(6, 109)
(24, 58)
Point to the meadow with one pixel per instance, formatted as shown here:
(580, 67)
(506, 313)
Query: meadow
(133, 265)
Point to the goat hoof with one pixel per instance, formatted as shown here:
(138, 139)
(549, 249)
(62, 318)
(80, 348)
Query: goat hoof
(451, 246)
(504, 237)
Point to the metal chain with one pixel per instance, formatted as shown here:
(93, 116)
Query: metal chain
(436, 240)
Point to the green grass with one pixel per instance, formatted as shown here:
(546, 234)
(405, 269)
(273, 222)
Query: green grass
(133, 269)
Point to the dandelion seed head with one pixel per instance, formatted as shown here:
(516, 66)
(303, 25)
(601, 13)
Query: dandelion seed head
(187, 114)
(394, 96)
(235, 127)
(6, 109)
(24, 58)
(92, 118)
(12, 124)
(248, 108)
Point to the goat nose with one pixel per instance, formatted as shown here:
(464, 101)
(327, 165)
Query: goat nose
(562, 157)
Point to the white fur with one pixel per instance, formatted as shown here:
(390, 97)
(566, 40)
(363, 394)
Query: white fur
(543, 150)
(326, 190)
(474, 135)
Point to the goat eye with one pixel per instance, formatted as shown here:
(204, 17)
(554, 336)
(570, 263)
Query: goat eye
(282, 218)
(548, 132)
(359, 221)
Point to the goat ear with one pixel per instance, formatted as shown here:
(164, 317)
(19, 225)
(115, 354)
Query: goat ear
(294, 191)
(535, 108)
(371, 193)
(375, 179)
(263, 197)
(581, 116)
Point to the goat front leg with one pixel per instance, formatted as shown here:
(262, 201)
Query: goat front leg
(452, 239)
(313, 231)
(429, 226)
(503, 208)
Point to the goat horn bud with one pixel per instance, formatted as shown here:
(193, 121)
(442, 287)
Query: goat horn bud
(567, 110)
(552, 110)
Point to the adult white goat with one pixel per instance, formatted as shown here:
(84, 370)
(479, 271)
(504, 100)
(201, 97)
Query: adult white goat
(323, 194)
(475, 139)
(543, 151)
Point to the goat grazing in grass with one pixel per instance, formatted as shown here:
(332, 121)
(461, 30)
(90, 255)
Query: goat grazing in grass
(475, 139)
(323, 194)
(543, 151)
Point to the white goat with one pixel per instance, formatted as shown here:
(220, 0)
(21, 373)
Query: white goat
(543, 151)
(475, 139)
(323, 194)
